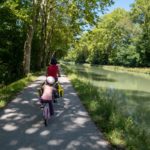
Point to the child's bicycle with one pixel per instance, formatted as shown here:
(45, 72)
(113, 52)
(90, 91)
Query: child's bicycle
(45, 107)
(46, 112)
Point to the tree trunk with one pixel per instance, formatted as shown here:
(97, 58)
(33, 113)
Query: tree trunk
(30, 33)
(27, 50)
(46, 30)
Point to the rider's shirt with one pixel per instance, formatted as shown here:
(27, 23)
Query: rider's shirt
(47, 92)
(52, 70)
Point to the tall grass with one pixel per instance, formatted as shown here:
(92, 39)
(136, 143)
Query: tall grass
(101, 103)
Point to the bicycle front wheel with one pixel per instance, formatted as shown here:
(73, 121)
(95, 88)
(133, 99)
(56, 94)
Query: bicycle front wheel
(46, 114)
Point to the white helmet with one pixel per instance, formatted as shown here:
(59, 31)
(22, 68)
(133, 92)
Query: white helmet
(50, 80)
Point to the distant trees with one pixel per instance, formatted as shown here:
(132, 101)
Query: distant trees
(119, 38)
(31, 30)
(141, 15)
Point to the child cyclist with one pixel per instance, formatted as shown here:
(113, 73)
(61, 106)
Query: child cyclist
(47, 93)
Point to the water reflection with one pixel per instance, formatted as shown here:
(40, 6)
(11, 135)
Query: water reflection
(132, 92)
(94, 76)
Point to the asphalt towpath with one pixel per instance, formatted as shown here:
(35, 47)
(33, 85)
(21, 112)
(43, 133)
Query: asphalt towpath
(22, 128)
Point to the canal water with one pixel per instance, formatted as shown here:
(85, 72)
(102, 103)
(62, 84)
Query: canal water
(132, 90)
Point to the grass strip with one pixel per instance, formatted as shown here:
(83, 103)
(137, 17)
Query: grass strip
(9, 91)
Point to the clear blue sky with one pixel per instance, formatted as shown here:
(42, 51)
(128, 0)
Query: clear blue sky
(118, 3)
(121, 3)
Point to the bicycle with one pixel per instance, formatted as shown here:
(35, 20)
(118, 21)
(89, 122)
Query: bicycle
(47, 110)
(60, 90)
(46, 107)
(46, 113)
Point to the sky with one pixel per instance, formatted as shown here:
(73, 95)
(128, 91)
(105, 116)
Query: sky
(118, 3)
(121, 3)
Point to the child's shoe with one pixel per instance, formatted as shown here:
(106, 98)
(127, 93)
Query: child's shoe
(41, 106)
(55, 101)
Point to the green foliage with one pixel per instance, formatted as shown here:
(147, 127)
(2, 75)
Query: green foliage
(127, 56)
(20, 9)
(119, 38)
(7, 92)
(54, 26)
(94, 57)
(141, 15)
(11, 46)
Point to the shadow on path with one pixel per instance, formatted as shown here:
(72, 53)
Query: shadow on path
(22, 128)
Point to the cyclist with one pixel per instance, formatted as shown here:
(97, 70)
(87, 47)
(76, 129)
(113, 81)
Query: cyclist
(53, 69)
(47, 93)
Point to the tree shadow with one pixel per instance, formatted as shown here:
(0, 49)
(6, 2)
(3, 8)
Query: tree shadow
(21, 124)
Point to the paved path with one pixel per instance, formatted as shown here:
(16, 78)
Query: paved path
(21, 125)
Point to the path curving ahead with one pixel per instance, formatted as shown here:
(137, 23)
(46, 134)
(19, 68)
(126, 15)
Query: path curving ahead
(21, 125)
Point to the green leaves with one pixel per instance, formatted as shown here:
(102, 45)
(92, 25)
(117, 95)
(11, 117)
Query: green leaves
(114, 40)
(141, 15)
(54, 26)
(17, 10)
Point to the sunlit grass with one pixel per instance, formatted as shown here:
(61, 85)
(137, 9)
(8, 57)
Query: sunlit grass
(116, 137)
(7, 92)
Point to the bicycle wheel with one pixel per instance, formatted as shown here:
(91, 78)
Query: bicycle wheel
(46, 113)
